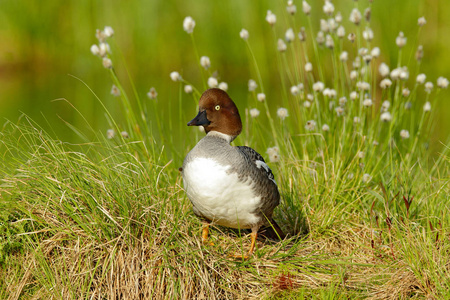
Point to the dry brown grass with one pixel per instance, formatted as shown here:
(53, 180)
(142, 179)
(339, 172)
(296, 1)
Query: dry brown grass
(169, 262)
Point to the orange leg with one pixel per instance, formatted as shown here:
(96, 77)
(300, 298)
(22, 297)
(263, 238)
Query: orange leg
(205, 232)
(253, 236)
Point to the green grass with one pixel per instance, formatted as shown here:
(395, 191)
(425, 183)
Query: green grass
(110, 224)
(108, 218)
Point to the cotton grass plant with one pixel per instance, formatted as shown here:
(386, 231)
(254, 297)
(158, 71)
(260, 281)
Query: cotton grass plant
(347, 133)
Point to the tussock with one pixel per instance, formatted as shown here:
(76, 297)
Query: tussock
(99, 231)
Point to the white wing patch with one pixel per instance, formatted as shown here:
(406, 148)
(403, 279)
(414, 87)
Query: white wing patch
(259, 164)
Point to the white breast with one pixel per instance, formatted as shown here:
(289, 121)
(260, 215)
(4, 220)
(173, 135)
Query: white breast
(219, 196)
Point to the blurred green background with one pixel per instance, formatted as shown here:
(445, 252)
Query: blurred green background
(42, 42)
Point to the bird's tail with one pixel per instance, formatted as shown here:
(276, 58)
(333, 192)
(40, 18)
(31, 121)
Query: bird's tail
(272, 231)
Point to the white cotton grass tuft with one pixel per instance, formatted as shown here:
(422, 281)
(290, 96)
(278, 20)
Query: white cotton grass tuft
(421, 21)
(271, 18)
(395, 73)
(291, 8)
(205, 62)
(308, 67)
(329, 42)
(366, 178)
(367, 58)
(212, 82)
(383, 69)
(367, 13)
(95, 49)
(289, 36)
(107, 63)
(306, 8)
(320, 39)
(375, 52)
(223, 86)
(386, 116)
(188, 24)
(363, 51)
(325, 127)
(330, 105)
(367, 102)
(404, 134)
(110, 133)
(261, 97)
(429, 87)
(385, 83)
(244, 34)
(368, 34)
(254, 112)
(104, 49)
(252, 85)
(357, 62)
(302, 34)
(419, 53)
(115, 91)
(427, 106)
(188, 89)
(152, 94)
(406, 92)
(338, 17)
(442, 82)
(318, 86)
(404, 73)
(351, 37)
(175, 76)
(340, 32)
(363, 86)
(294, 90)
(310, 125)
(328, 8)
(100, 35)
(330, 93)
(355, 16)
(332, 24)
(282, 113)
(281, 45)
(420, 79)
(274, 154)
(400, 40)
(385, 105)
(108, 31)
(339, 111)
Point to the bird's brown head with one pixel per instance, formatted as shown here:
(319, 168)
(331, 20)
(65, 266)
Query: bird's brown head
(217, 112)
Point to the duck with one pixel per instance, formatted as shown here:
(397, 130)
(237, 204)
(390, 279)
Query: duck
(230, 186)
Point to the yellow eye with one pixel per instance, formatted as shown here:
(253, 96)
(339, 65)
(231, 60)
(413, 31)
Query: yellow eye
(217, 107)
